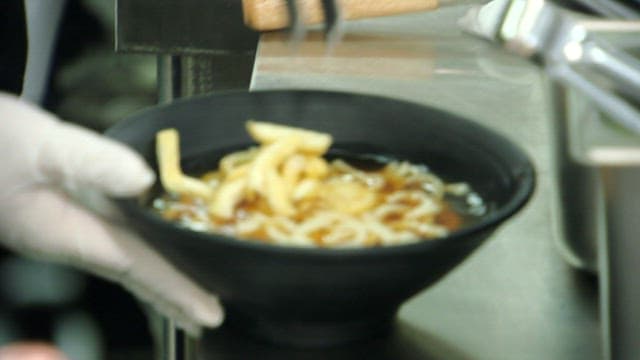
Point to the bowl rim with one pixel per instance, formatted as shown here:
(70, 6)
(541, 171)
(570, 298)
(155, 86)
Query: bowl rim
(524, 175)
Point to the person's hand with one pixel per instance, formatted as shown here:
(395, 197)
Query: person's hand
(51, 173)
(30, 351)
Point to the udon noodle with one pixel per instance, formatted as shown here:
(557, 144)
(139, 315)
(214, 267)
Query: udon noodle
(285, 192)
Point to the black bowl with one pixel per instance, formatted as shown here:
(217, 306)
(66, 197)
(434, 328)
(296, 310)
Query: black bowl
(305, 296)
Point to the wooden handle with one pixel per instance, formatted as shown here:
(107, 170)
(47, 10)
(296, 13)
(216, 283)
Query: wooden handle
(265, 15)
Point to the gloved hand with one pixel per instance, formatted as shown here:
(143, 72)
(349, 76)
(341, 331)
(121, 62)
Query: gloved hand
(51, 174)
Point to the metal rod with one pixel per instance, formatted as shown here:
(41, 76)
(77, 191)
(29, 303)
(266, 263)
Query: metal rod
(169, 345)
(175, 80)
(621, 67)
(619, 110)
(168, 72)
(186, 76)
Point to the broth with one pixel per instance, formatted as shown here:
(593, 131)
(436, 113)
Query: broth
(368, 201)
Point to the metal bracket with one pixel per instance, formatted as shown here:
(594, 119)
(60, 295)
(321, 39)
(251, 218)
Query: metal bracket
(183, 27)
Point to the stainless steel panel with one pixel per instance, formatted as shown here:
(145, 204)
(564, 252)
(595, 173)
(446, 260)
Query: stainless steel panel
(620, 260)
(578, 203)
(183, 27)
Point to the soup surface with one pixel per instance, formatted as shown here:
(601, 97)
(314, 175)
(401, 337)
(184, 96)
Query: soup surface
(287, 191)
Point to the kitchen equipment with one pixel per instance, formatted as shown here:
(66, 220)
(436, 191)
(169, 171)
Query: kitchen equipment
(597, 145)
(320, 297)
(265, 15)
(203, 47)
(561, 42)
(271, 15)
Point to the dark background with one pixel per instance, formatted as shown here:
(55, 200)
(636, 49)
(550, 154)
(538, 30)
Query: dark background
(87, 81)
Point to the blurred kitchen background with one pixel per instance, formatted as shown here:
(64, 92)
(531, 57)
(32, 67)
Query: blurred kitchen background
(90, 319)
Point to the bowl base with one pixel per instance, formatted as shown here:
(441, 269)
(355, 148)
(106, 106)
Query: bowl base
(311, 333)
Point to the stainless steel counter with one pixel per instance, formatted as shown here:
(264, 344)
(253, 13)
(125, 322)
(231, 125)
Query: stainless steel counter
(515, 298)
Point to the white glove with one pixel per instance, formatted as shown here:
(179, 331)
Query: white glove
(45, 167)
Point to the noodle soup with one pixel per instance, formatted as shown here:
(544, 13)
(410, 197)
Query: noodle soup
(397, 204)
(287, 191)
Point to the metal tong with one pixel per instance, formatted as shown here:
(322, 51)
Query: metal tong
(568, 50)
(332, 21)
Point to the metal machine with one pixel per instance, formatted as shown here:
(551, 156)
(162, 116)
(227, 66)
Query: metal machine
(592, 169)
(195, 55)
(595, 86)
